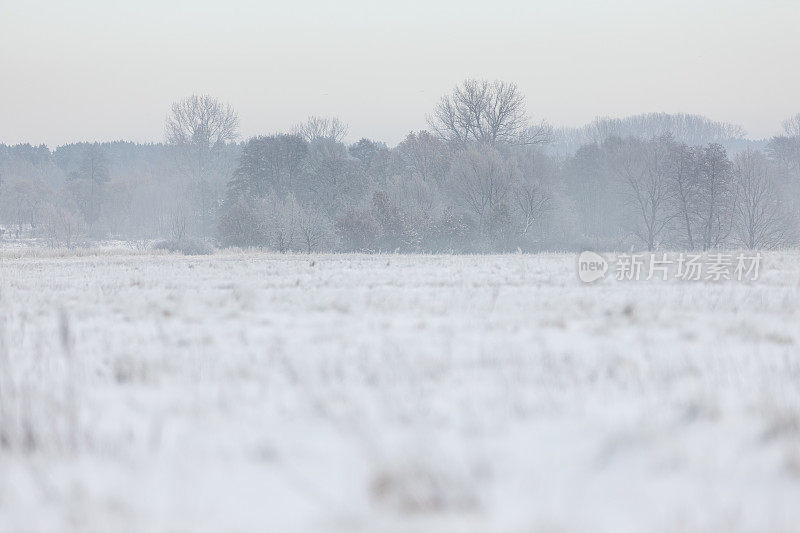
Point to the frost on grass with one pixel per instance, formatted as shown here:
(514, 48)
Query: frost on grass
(39, 389)
(245, 391)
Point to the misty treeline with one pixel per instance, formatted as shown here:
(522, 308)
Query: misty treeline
(483, 177)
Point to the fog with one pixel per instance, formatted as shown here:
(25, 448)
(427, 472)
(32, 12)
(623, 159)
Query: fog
(485, 175)
(604, 97)
(433, 266)
(100, 71)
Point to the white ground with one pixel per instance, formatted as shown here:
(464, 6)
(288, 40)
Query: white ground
(255, 392)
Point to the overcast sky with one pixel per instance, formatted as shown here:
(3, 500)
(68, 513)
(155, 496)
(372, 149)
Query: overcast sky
(89, 70)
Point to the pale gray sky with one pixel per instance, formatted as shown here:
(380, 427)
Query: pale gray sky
(95, 70)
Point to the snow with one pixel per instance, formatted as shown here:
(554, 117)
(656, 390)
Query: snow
(358, 393)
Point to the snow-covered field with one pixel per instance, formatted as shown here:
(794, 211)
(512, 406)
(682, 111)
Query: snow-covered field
(295, 393)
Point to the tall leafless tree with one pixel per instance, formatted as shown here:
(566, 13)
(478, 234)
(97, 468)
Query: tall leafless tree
(681, 167)
(88, 182)
(270, 163)
(481, 180)
(716, 197)
(489, 112)
(199, 127)
(640, 165)
(531, 202)
(791, 126)
(691, 129)
(762, 219)
(314, 128)
(334, 178)
(424, 156)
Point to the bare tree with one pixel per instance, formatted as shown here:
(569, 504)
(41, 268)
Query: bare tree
(785, 151)
(321, 128)
(597, 195)
(691, 129)
(716, 197)
(762, 220)
(199, 127)
(397, 232)
(791, 126)
(375, 157)
(424, 156)
(23, 201)
(60, 225)
(334, 178)
(177, 228)
(486, 112)
(315, 230)
(481, 180)
(531, 202)
(88, 182)
(270, 163)
(119, 202)
(640, 166)
(681, 168)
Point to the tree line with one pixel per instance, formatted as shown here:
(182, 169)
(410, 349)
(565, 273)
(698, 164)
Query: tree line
(484, 177)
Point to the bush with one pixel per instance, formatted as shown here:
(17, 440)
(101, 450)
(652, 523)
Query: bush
(396, 230)
(241, 224)
(276, 221)
(60, 226)
(358, 230)
(185, 247)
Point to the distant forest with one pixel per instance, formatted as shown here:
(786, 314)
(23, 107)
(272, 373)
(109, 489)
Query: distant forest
(484, 177)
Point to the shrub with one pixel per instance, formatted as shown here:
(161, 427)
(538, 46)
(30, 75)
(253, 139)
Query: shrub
(60, 226)
(241, 224)
(185, 247)
(358, 230)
